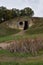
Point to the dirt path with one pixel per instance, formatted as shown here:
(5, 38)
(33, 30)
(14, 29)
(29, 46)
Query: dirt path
(20, 33)
(4, 44)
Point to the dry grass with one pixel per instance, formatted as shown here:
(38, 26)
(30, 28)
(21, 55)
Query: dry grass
(26, 46)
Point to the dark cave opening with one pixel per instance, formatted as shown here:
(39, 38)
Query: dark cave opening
(26, 25)
(21, 23)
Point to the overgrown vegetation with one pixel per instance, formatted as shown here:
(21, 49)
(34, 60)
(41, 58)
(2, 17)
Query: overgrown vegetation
(32, 46)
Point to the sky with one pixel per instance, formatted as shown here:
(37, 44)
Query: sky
(36, 5)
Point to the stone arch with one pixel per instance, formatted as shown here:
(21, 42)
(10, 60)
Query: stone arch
(21, 25)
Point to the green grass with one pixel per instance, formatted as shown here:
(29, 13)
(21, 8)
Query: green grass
(21, 63)
(9, 54)
(17, 54)
(38, 30)
(18, 37)
(20, 56)
(30, 33)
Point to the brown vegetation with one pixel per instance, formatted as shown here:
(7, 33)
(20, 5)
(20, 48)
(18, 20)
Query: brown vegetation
(26, 46)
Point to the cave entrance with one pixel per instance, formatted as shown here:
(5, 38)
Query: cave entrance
(25, 25)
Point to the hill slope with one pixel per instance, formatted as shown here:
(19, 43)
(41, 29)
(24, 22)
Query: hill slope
(5, 30)
(37, 28)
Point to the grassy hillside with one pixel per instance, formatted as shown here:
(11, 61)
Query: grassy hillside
(37, 28)
(6, 33)
(33, 33)
(5, 30)
(38, 22)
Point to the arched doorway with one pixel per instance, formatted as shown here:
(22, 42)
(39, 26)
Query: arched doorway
(25, 25)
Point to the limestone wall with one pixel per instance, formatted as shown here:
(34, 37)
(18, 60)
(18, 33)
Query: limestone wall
(15, 23)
